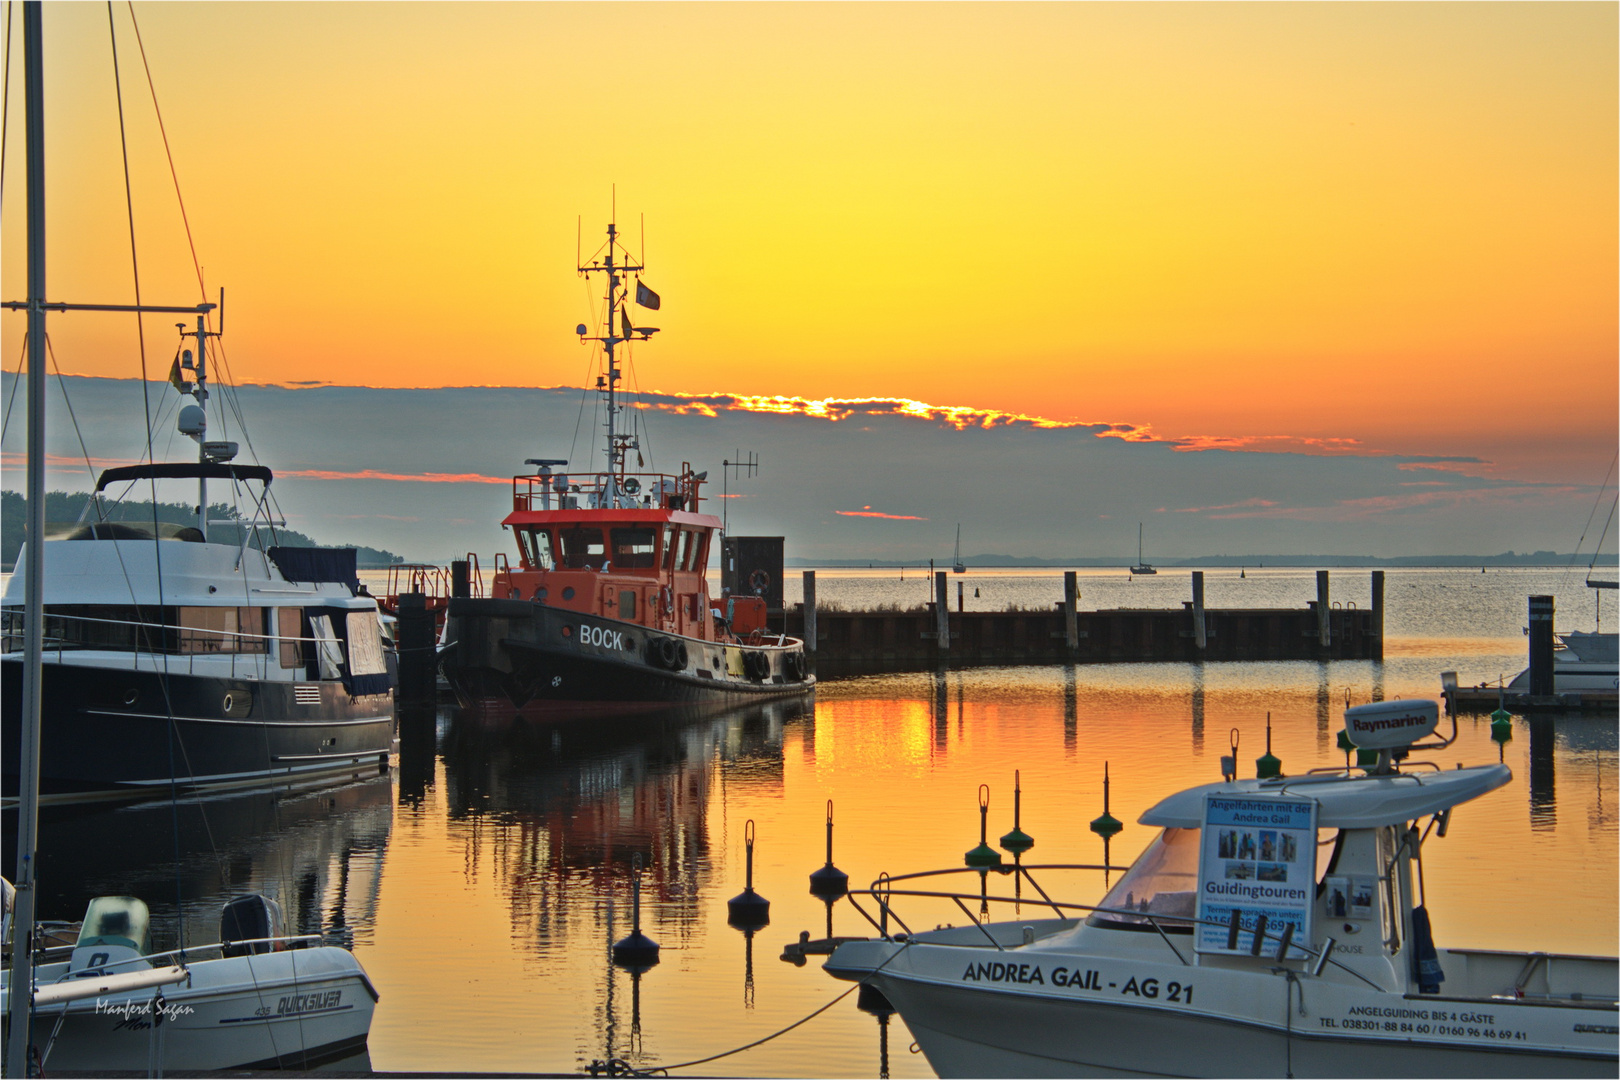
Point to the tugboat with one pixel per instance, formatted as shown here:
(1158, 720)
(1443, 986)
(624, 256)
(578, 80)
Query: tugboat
(607, 610)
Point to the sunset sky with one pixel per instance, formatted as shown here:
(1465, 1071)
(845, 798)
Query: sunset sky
(1386, 229)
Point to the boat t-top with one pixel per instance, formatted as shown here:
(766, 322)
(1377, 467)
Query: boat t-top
(1275, 927)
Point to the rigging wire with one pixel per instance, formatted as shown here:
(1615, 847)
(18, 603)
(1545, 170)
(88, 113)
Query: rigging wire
(5, 107)
(22, 357)
(227, 386)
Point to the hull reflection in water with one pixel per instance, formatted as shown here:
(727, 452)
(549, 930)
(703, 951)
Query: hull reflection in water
(319, 854)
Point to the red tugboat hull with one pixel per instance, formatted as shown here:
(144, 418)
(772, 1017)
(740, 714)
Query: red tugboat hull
(520, 657)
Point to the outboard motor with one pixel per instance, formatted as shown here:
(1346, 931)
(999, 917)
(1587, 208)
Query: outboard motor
(248, 919)
(113, 937)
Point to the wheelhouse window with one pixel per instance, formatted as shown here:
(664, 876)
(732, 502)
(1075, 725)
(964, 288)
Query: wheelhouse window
(536, 545)
(1163, 882)
(688, 548)
(582, 548)
(669, 547)
(634, 549)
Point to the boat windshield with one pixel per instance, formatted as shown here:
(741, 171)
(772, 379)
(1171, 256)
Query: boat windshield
(582, 548)
(116, 920)
(1163, 881)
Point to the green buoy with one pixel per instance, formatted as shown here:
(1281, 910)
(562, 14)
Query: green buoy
(1107, 825)
(1267, 765)
(1018, 841)
(1501, 725)
(983, 857)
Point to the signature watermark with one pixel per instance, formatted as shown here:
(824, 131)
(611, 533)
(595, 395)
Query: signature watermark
(131, 1011)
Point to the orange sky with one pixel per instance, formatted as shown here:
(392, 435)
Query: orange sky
(1388, 222)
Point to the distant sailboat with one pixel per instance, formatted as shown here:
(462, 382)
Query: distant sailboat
(1141, 566)
(957, 564)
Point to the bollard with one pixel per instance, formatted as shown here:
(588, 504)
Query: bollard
(1378, 611)
(942, 613)
(460, 584)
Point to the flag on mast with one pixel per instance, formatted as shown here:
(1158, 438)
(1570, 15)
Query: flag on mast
(646, 297)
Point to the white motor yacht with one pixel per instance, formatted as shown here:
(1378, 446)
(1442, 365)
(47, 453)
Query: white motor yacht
(1233, 948)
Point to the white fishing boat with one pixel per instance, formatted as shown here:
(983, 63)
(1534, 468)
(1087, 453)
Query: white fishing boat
(1232, 948)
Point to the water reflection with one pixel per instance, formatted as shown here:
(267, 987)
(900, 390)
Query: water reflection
(320, 854)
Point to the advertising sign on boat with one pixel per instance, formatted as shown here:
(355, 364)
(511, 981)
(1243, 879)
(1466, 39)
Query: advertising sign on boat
(1257, 859)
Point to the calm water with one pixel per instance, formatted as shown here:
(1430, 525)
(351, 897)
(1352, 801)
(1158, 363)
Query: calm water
(482, 887)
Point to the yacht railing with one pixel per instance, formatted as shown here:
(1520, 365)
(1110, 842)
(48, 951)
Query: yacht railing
(252, 661)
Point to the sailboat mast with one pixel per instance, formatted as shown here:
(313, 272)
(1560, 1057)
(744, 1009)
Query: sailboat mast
(22, 917)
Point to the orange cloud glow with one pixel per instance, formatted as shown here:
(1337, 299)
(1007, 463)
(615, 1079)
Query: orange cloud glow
(417, 478)
(868, 512)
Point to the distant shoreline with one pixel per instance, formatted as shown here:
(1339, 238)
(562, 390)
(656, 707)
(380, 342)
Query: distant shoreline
(1544, 559)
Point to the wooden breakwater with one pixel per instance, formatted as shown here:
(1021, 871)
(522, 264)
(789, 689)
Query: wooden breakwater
(879, 640)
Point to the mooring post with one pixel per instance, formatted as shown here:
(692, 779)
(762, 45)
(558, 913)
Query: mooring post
(1378, 614)
(1541, 646)
(960, 604)
(1198, 610)
(942, 613)
(1071, 621)
(459, 581)
(810, 611)
(1324, 631)
(415, 699)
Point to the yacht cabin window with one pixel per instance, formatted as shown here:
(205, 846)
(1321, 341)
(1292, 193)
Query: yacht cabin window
(582, 548)
(290, 628)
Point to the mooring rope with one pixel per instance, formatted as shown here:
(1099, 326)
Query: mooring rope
(620, 1067)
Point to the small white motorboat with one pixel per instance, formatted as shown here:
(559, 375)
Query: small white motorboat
(1582, 661)
(258, 999)
(1231, 948)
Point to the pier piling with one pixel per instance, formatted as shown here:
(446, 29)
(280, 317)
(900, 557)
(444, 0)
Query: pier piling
(1541, 646)
(1071, 618)
(1324, 613)
(460, 580)
(1200, 641)
(1377, 628)
(810, 613)
(942, 613)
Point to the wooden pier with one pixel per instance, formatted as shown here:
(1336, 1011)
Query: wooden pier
(844, 641)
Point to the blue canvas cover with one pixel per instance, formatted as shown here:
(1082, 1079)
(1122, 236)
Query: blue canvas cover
(317, 564)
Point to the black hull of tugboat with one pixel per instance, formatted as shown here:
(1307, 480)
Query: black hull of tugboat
(108, 729)
(513, 656)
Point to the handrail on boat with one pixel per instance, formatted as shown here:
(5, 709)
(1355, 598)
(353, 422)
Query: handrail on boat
(181, 954)
(882, 889)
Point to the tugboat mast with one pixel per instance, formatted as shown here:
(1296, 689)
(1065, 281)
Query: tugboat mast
(618, 330)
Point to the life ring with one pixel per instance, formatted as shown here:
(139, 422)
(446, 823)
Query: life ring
(759, 581)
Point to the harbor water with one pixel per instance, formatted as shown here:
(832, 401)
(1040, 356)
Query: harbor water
(482, 886)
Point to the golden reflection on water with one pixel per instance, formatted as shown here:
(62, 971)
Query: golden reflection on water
(507, 875)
